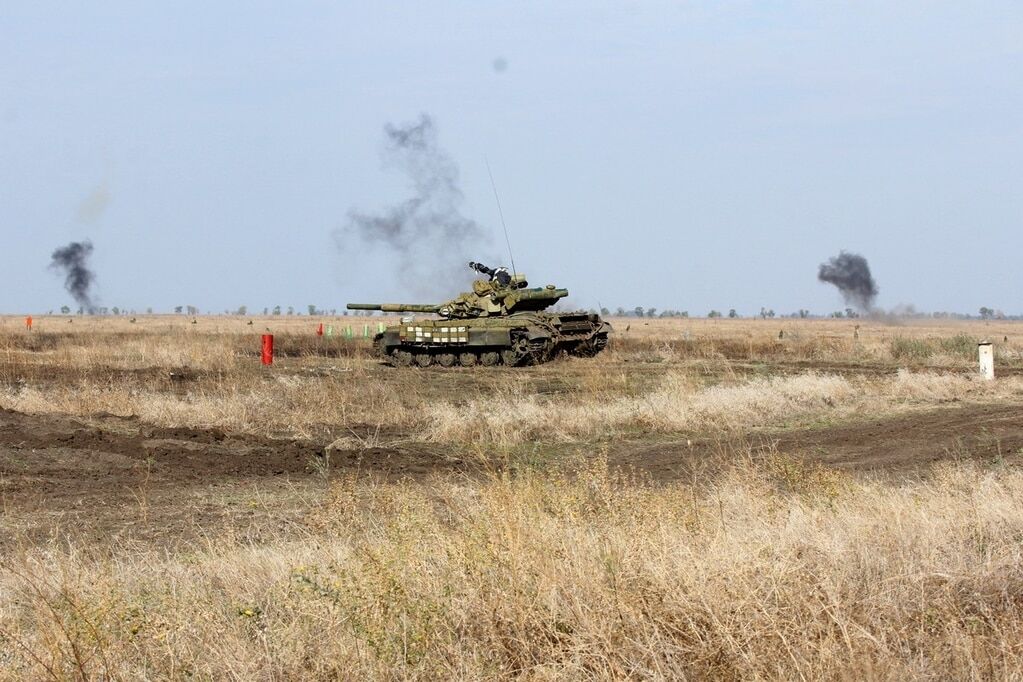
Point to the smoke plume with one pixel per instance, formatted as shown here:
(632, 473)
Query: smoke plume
(851, 274)
(73, 261)
(92, 207)
(427, 236)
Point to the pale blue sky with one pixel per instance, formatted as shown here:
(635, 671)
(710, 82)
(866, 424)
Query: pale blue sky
(681, 155)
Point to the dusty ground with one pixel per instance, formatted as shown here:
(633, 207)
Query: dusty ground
(109, 478)
(112, 479)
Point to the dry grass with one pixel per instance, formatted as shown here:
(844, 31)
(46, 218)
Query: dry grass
(504, 409)
(508, 412)
(173, 373)
(775, 569)
(771, 568)
(677, 405)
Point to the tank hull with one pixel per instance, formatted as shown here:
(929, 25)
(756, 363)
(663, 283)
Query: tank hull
(519, 339)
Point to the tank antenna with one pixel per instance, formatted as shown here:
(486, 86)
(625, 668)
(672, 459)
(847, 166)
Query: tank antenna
(500, 212)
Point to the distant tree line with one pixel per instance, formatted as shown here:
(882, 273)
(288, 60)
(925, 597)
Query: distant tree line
(985, 313)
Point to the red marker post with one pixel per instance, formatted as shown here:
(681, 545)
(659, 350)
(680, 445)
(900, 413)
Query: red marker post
(268, 349)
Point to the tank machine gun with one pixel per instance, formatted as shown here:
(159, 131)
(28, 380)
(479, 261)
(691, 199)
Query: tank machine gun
(501, 320)
(499, 275)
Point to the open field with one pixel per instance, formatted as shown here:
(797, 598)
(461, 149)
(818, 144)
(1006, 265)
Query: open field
(707, 498)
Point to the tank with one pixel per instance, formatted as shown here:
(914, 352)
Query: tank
(501, 321)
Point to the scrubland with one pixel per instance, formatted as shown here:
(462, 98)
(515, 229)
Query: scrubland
(663, 377)
(756, 550)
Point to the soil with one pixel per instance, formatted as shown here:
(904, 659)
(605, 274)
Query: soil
(900, 446)
(112, 480)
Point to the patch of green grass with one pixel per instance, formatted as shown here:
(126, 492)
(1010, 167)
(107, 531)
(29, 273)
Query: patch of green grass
(913, 350)
(961, 346)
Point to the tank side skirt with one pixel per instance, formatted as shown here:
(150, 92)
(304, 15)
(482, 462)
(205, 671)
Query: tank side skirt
(545, 336)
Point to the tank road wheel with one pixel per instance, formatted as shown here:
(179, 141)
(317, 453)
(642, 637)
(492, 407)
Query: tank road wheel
(518, 353)
(446, 359)
(589, 347)
(544, 354)
(467, 359)
(490, 358)
(584, 349)
(401, 358)
(423, 359)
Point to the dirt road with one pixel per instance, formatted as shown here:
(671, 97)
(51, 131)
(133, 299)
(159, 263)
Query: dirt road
(116, 479)
(111, 478)
(897, 445)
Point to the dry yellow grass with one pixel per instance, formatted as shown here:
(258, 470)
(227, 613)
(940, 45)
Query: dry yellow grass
(771, 568)
(774, 570)
(506, 412)
(675, 405)
(662, 376)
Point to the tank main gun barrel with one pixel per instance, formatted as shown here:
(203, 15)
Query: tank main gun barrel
(396, 307)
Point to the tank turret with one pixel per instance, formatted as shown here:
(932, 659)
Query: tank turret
(502, 294)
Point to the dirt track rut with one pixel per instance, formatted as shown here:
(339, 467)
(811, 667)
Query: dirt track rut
(117, 478)
(895, 445)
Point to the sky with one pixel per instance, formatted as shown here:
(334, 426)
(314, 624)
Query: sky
(691, 156)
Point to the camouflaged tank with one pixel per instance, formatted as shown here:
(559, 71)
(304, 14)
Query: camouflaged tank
(501, 321)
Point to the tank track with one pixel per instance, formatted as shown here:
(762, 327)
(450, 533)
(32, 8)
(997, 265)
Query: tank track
(522, 353)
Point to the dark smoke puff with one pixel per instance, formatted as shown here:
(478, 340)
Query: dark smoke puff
(851, 274)
(73, 261)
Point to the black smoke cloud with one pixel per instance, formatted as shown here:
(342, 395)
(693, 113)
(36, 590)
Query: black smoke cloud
(73, 261)
(851, 274)
(426, 236)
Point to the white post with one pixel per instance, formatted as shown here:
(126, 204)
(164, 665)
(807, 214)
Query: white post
(987, 360)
